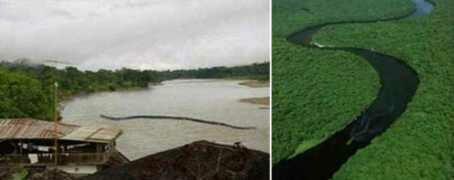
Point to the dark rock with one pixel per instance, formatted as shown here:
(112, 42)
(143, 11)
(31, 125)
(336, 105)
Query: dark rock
(198, 160)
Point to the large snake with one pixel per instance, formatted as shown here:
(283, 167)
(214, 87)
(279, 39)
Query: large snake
(178, 118)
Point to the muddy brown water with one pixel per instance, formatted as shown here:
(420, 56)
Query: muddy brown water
(214, 100)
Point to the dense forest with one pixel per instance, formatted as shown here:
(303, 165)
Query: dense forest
(23, 96)
(421, 140)
(27, 90)
(73, 81)
(257, 71)
(334, 86)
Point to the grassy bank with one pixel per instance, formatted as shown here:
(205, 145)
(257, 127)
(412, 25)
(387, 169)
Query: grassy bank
(317, 92)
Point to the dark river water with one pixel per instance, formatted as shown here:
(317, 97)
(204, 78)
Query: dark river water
(399, 83)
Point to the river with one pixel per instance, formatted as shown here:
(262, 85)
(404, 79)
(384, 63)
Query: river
(399, 83)
(214, 100)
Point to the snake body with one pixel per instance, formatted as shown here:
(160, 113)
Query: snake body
(177, 118)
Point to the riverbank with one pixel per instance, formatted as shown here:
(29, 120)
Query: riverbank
(252, 83)
(69, 97)
(255, 83)
(257, 100)
(263, 101)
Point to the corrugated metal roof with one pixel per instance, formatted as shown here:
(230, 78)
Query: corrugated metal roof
(80, 133)
(94, 134)
(36, 129)
(105, 133)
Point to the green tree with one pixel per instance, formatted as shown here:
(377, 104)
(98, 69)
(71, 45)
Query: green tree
(22, 96)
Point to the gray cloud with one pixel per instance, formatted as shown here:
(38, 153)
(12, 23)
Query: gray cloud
(157, 34)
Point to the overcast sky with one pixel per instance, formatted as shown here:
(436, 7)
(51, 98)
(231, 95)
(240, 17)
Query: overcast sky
(144, 34)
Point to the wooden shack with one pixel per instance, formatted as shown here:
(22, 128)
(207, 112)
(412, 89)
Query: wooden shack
(30, 142)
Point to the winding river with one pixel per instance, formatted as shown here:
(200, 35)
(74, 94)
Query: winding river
(213, 100)
(399, 83)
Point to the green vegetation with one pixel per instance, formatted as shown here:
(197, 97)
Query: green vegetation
(317, 92)
(20, 175)
(12, 172)
(257, 71)
(27, 90)
(420, 144)
(293, 15)
(22, 96)
(73, 81)
(305, 146)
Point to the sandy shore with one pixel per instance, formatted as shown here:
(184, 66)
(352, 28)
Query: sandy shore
(255, 83)
(257, 100)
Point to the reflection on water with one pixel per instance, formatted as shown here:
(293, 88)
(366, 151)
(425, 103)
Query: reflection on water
(423, 8)
(215, 100)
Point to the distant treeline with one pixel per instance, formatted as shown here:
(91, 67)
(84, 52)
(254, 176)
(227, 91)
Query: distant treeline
(258, 71)
(27, 90)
